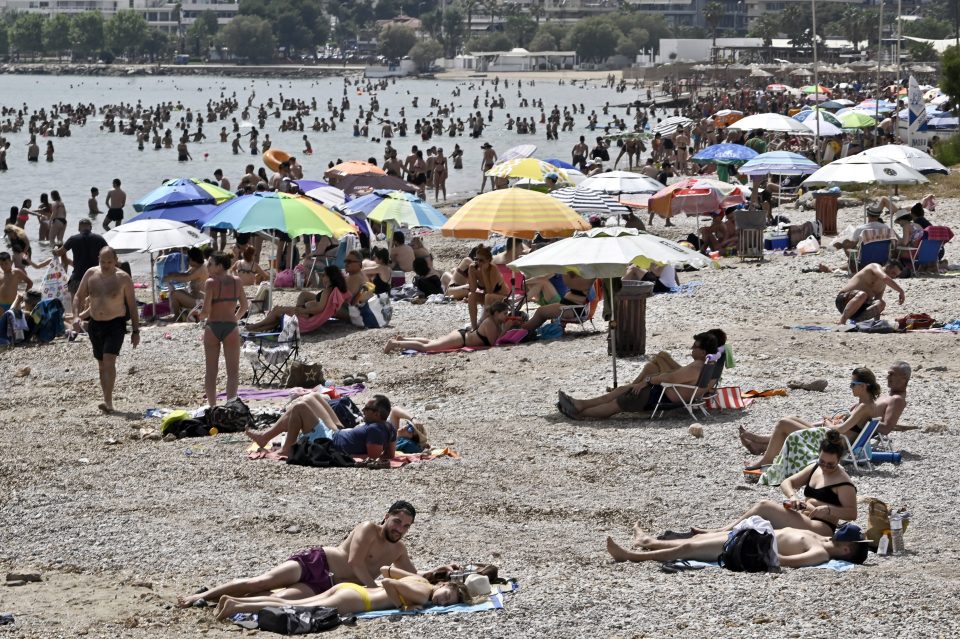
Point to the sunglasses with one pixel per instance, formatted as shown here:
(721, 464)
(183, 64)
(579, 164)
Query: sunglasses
(852, 384)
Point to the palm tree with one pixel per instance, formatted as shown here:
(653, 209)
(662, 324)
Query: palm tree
(468, 7)
(712, 13)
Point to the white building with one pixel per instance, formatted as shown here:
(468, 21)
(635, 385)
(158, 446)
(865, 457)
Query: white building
(158, 13)
(523, 60)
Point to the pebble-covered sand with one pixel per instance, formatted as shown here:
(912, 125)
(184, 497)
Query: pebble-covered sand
(119, 523)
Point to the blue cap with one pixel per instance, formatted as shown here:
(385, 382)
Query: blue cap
(848, 532)
(551, 176)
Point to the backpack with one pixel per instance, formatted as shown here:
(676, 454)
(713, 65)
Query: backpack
(319, 453)
(232, 417)
(347, 412)
(48, 315)
(297, 620)
(746, 551)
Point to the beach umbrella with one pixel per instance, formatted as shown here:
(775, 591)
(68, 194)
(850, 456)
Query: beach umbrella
(779, 163)
(605, 253)
(914, 158)
(778, 88)
(514, 213)
(818, 113)
(864, 169)
(727, 153)
(353, 167)
(726, 117)
(621, 182)
(857, 120)
(362, 183)
(815, 88)
(187, 214)
(836, 104)
(771, 122)
(822, 126)
(517, 152)
(589, 202)
(151, 236)
(294, 215)
(695, 196)
(529, 168)
(322, 192)
(398, 207)
(871, 106)
(182, 191)
(670, 125)
(801, 73)
(560, 164)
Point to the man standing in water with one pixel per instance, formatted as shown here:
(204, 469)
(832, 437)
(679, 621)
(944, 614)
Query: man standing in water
(116, 200)
(105, 298)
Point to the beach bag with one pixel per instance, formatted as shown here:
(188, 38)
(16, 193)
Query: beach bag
(725, 397)
(746, 551)
(550, 330)
(54, 286)
(232, 417)
(150, 311)
(375, 313)
(297, 620)
(347, 412)
(319, 453)
(809, 245)
(878, 520)
(304, 375)
(48, 319)
(915, 321)
(284, 279)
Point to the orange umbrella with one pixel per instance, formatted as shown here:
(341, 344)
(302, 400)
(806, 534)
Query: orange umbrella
(354, 167)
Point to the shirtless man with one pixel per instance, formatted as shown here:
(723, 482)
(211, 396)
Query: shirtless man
(310, 572)
(356, 284)
(579, 154)
(105, 298)
(400, 254)
(489, 159)
(795, 548)
(862, 298)
(93, 206)
(116, 200)
(643, 394)
(682, 142)
(10, 281)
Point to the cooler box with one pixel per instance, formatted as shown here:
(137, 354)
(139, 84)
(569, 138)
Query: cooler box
(776, 242)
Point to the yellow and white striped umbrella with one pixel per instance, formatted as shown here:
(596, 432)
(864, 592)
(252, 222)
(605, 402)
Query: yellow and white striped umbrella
(514, 213)
(529, 168)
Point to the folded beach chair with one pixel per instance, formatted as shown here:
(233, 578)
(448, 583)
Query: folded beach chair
(311, 323)
(584, 313)
(696, 402)
(875, 252)
(858, 453)
(270, 354)
(348, 243)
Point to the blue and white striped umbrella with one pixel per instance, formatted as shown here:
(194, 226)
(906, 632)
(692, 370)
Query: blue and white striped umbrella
(728, 153)
(779, 163)
(589, 202)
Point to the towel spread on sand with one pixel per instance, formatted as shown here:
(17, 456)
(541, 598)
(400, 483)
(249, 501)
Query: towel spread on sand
(401, 459)
(771, 392)
(812, 327)
(283, 393)
(495, 602)
(688, 288)
(836, 565)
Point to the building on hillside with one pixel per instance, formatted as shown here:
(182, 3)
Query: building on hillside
(158, 13)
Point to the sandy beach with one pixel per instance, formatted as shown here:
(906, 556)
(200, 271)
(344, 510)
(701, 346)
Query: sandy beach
(119, 523)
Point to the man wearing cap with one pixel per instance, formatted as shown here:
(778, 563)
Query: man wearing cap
(795, 548)
(862, 298)
(874, 229)
(550, 179)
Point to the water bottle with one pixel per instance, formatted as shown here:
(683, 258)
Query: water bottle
(298, 279)
(878, 457)
(896, 533)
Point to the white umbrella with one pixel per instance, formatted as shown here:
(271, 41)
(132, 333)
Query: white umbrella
(517, 152)
(826, 128)
(620, 182)
(914, 158)
(329, 196)
(605, 253)
(770, 122)
(671, 124)
(151, 236)
(589, 202)
(864, 169)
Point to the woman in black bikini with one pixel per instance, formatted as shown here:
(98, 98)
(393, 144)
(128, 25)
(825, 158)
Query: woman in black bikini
(307, 303)
(378, 270)
(828, 495)
(487, 334)
(247, 268)
(455, 283)
(225, 303)
(484, 282)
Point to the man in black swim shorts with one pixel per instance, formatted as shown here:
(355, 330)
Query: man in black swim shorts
(116, 200)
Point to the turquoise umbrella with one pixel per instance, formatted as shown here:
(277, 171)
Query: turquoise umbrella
(398, 207)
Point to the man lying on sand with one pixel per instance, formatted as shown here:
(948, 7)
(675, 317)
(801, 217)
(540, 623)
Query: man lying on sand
(643, 394)
(357, 560)
(862, 298)
(795, 548)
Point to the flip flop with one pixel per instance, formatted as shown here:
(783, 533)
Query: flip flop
(567, 403)
(678, 565)
(753, 467)
(669, 535)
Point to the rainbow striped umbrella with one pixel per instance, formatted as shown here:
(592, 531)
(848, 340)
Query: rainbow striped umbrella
(515, 213)
(295, 215)
(181, 192)
(398, 207)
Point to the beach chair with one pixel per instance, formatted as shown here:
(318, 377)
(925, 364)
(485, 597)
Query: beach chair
(928, 252)
(517, 282)
(697, 400)
(584, 313)
(270, 354)
(311, 323)
(858, 453)
(876, 252)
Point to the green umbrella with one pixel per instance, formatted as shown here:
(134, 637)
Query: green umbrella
(856, 120)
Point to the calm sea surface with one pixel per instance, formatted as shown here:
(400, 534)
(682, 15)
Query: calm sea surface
(91, 157)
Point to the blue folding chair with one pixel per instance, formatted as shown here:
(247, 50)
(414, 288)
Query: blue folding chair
(876, 252)
(858, 453)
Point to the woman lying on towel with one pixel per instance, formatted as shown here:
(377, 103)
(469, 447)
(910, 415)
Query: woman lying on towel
(828, 495)
(487, 333)
(398, 589)
(863, 386)
(307, 303)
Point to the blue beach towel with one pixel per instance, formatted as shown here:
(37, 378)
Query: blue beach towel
(835, 565)
(495, 602)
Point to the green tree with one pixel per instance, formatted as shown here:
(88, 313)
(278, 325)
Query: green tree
(396, 40)
(556, 31)
(520, 29)
(424, 52)
(248, 37)
(155, 44)
(921, 51)
(198, 38)
(208, 18)
(86, 34)
(257, 8)
(386, 9)
(26, 35)
(928, 27)
(469, 7)
(4, 40)
(125, 31)
(453, 31)
(56, 33)
(594, 39)
(712, 14)
(292, 34)
(543, 41)
(950, 74)
(766, 27)
(489, 42)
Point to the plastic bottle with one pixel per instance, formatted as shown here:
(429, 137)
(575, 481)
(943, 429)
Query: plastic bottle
(896, 533)
(883, 548)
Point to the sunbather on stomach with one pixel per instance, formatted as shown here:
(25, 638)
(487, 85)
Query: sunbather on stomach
(865, 389)
(307, 303)
(491, 328)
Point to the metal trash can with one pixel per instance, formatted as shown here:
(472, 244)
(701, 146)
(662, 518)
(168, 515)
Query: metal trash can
(827, 205)
(631, 320)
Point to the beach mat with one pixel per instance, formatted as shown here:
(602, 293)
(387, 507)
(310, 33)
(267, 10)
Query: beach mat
(688, 289)
(835, 565)
(248, 394)
(495, 602)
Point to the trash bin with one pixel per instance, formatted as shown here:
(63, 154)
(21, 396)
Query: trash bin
(827, 205)
(631, 328)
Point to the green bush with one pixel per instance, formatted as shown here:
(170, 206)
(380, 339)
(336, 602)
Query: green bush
(947, 152)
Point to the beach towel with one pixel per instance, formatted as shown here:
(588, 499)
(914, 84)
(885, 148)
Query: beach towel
(836, 565)
(688, 288)
(462, 349)
(800, 449)
(333, 392)
(812, 327)
(772, 392)
(400, 460)
(495, 602)
(727, 397)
